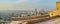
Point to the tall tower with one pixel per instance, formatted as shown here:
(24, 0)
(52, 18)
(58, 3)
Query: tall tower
(58, 5)
(35, 11)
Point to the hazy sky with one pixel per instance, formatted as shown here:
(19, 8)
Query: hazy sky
(27, 4)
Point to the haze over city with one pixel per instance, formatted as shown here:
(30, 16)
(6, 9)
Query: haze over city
(27, 4)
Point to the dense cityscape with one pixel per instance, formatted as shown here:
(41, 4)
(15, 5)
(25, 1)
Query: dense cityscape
(7, 15)
(29, 11)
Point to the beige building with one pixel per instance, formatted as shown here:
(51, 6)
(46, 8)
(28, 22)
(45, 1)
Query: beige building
(55, 12)
(18, 22)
